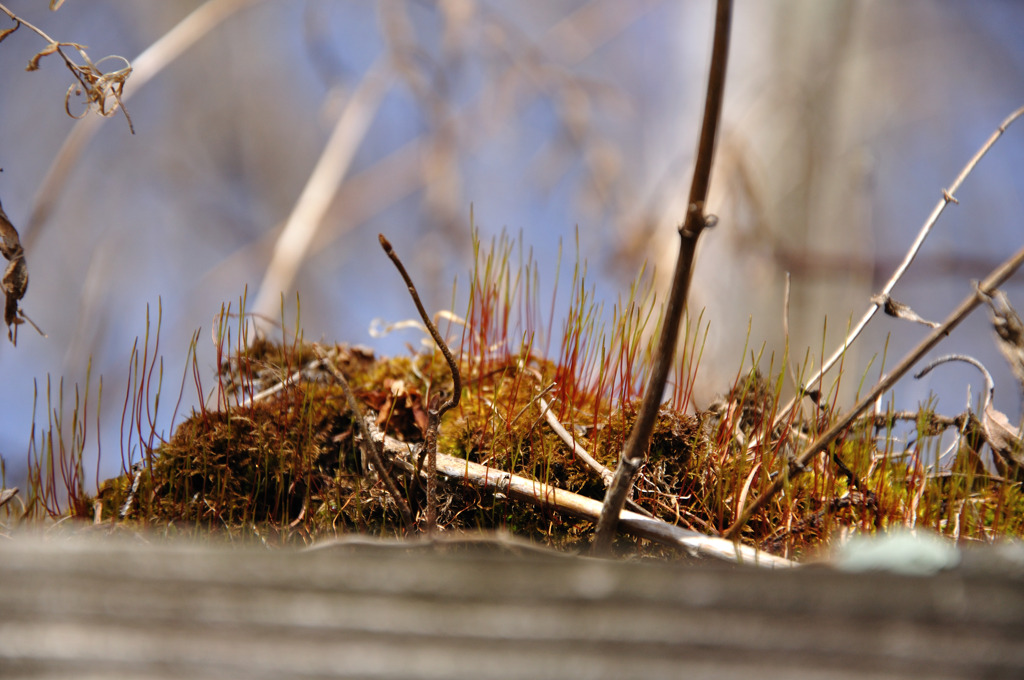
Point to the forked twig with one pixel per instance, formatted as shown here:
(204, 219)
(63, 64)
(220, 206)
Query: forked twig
(995, 279)
(635, 450)
(434, 413)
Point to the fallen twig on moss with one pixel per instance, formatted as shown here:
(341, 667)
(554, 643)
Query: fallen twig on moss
(604, 473)
(548, 496)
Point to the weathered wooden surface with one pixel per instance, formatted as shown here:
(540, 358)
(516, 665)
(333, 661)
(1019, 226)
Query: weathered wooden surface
(102, 609)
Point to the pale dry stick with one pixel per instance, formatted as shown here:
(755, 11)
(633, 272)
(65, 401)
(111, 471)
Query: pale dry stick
(604, 473)
(434, 413)
(948, 196)
(7, 494)
(294, 241)
(148, 64)
(371, 444)
(550, 497)
(277, 387)
(995, 279)
(635, 450)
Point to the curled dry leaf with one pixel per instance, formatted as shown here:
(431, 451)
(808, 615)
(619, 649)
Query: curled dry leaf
(33, 63)
(102, 91)
(15, 278)
(901, 311)
(7, 31)
(1005, 440)
(1009, 332)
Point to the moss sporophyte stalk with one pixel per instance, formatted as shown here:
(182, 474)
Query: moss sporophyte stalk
(276, 454)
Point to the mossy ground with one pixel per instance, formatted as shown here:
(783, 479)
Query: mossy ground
(288, 469)
(274, 453)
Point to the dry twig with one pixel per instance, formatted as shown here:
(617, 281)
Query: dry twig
(148, 64)
(98, 87)
(878, 301)
(549, 497)
(1003, 438)
(635, 450)
(434, 413)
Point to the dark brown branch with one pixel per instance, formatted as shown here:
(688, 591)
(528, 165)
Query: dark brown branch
(635, 450)
(434, 413)
(798, 464)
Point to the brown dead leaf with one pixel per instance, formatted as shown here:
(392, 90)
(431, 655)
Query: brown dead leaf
(899, 310)
(400, 406)
(1005, 441)
(7, 31)
(15, 278)
(33, 63)
(1009, 332)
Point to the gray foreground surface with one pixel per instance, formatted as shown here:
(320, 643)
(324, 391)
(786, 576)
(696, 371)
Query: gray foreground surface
(102, 609)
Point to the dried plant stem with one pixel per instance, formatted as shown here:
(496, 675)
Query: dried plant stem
(996, 278)
(550, 497)
(148, 64)
(370, 444)
(635, 450)
(604, 473)
(434, 413)
(948, 196)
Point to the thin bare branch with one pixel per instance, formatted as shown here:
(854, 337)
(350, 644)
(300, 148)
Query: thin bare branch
(635, 450)
(877, 302)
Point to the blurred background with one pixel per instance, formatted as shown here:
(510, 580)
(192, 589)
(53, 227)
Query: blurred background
(843, 122)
